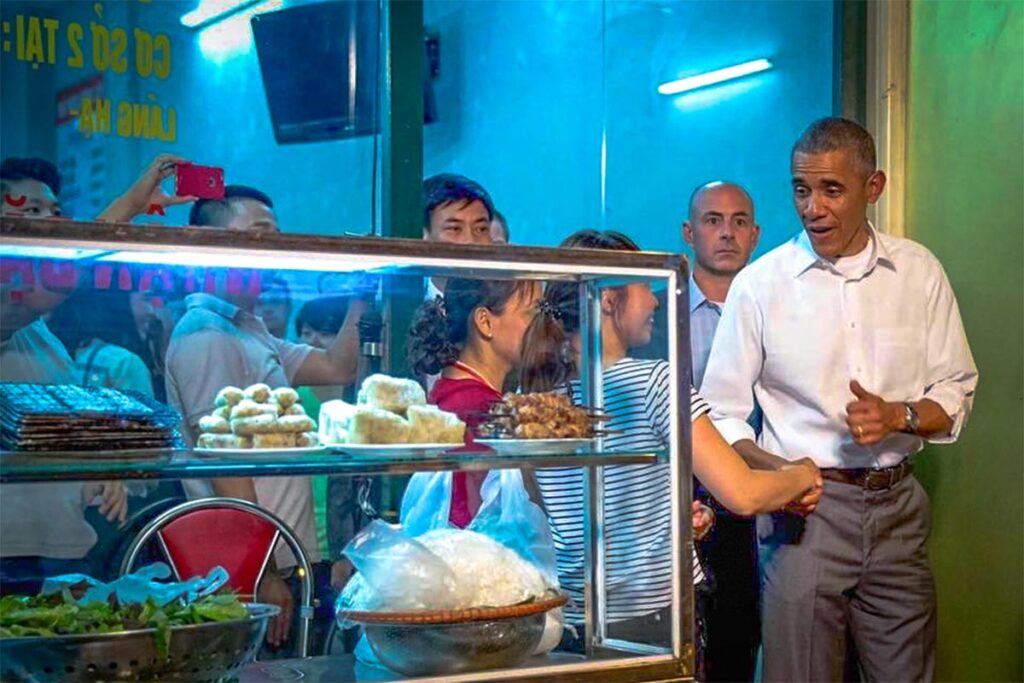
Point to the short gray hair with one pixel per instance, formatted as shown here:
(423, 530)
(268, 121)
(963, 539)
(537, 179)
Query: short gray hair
(834, 133)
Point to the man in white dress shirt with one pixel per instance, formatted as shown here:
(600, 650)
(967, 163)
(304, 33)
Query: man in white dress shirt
(851, 343)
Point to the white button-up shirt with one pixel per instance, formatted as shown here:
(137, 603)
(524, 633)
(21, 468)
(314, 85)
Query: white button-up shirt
(795, 331)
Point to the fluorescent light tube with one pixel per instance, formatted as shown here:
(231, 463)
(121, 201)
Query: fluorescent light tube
(712, 77)
(211, 11)
(57, 253)
(244, 260)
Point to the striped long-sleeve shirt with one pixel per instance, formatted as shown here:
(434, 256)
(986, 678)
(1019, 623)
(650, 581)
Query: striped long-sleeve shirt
(638, 560)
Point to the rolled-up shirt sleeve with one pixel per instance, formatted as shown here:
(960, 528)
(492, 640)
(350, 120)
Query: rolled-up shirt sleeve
(735, 363)
(292, 356)
(951, 375)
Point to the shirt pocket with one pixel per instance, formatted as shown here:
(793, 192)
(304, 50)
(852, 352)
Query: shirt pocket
(898, 360)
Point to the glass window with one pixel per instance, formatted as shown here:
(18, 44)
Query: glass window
(555, 108)
(280, 96)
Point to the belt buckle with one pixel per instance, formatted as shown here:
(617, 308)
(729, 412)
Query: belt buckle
(880, 480)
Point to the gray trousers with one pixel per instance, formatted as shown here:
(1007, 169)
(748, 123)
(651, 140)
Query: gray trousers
(857, 565)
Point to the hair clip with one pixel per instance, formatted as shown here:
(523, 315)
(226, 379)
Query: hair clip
(546, 307)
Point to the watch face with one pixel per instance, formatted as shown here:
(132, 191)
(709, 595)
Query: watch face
(912, 419)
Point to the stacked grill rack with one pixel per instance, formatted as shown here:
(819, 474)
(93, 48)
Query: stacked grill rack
(49, 417)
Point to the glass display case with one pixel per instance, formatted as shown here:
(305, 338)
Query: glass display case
(139, 309)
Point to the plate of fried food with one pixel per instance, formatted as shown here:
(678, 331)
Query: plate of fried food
(390, 419)
(539, 423)
(257, 420)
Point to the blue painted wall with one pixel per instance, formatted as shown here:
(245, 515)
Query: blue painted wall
(534, 84)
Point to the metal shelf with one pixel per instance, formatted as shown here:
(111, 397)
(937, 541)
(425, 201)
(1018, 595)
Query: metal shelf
(605, 666)
(41, 467)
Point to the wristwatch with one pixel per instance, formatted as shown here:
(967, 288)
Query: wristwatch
(911, 418)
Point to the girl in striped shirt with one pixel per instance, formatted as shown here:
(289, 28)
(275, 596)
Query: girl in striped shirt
(637, 532)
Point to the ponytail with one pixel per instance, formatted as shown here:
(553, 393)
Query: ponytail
(428, 348)
(548, 359)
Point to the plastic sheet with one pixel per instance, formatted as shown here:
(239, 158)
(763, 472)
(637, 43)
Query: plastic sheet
(139, 586)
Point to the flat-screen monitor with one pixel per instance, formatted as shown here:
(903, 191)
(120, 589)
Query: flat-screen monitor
(320, 70)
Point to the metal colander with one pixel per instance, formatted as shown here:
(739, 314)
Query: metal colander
(203, 652)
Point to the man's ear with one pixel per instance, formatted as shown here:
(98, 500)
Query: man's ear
(875, 186)
(688, 233)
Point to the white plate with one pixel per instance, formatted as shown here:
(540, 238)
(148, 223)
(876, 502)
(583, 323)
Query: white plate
(536, 446)
(243, 453)
(393, 450)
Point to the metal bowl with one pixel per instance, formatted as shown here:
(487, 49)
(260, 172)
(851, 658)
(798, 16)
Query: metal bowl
(432, 649)
(432, 642)
(201, 652)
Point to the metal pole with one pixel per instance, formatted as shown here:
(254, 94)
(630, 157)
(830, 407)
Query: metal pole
(591, 390)
(680, 463)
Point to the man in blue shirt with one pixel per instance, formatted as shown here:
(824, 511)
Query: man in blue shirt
(723, 233)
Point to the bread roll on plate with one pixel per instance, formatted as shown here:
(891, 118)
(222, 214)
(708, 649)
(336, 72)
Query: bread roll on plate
(334, 421)
(285, 396)
(219, 441)
(393, 394)
(295, 424)
(250, 408)
(276, 440)
(307, 440)
(213, 424)
(228, 396)
(258, 392)
(430, 424)
(257, 424)
(376, 426)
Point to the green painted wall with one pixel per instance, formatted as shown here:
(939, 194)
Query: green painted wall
(966, 203)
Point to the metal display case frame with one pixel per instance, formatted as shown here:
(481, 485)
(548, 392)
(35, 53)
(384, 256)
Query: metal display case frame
(607, 659)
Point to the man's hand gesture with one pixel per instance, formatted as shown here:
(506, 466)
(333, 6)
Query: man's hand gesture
(870, 418)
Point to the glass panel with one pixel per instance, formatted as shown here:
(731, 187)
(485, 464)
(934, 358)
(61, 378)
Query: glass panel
(280, 96)
(168, 324)
(26, 467)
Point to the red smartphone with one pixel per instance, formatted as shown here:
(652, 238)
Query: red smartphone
(205, 182)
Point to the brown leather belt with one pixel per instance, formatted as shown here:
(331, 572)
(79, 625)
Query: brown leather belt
(868, 478)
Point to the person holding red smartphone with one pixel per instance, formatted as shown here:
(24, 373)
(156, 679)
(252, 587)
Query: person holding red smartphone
(146, 195)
